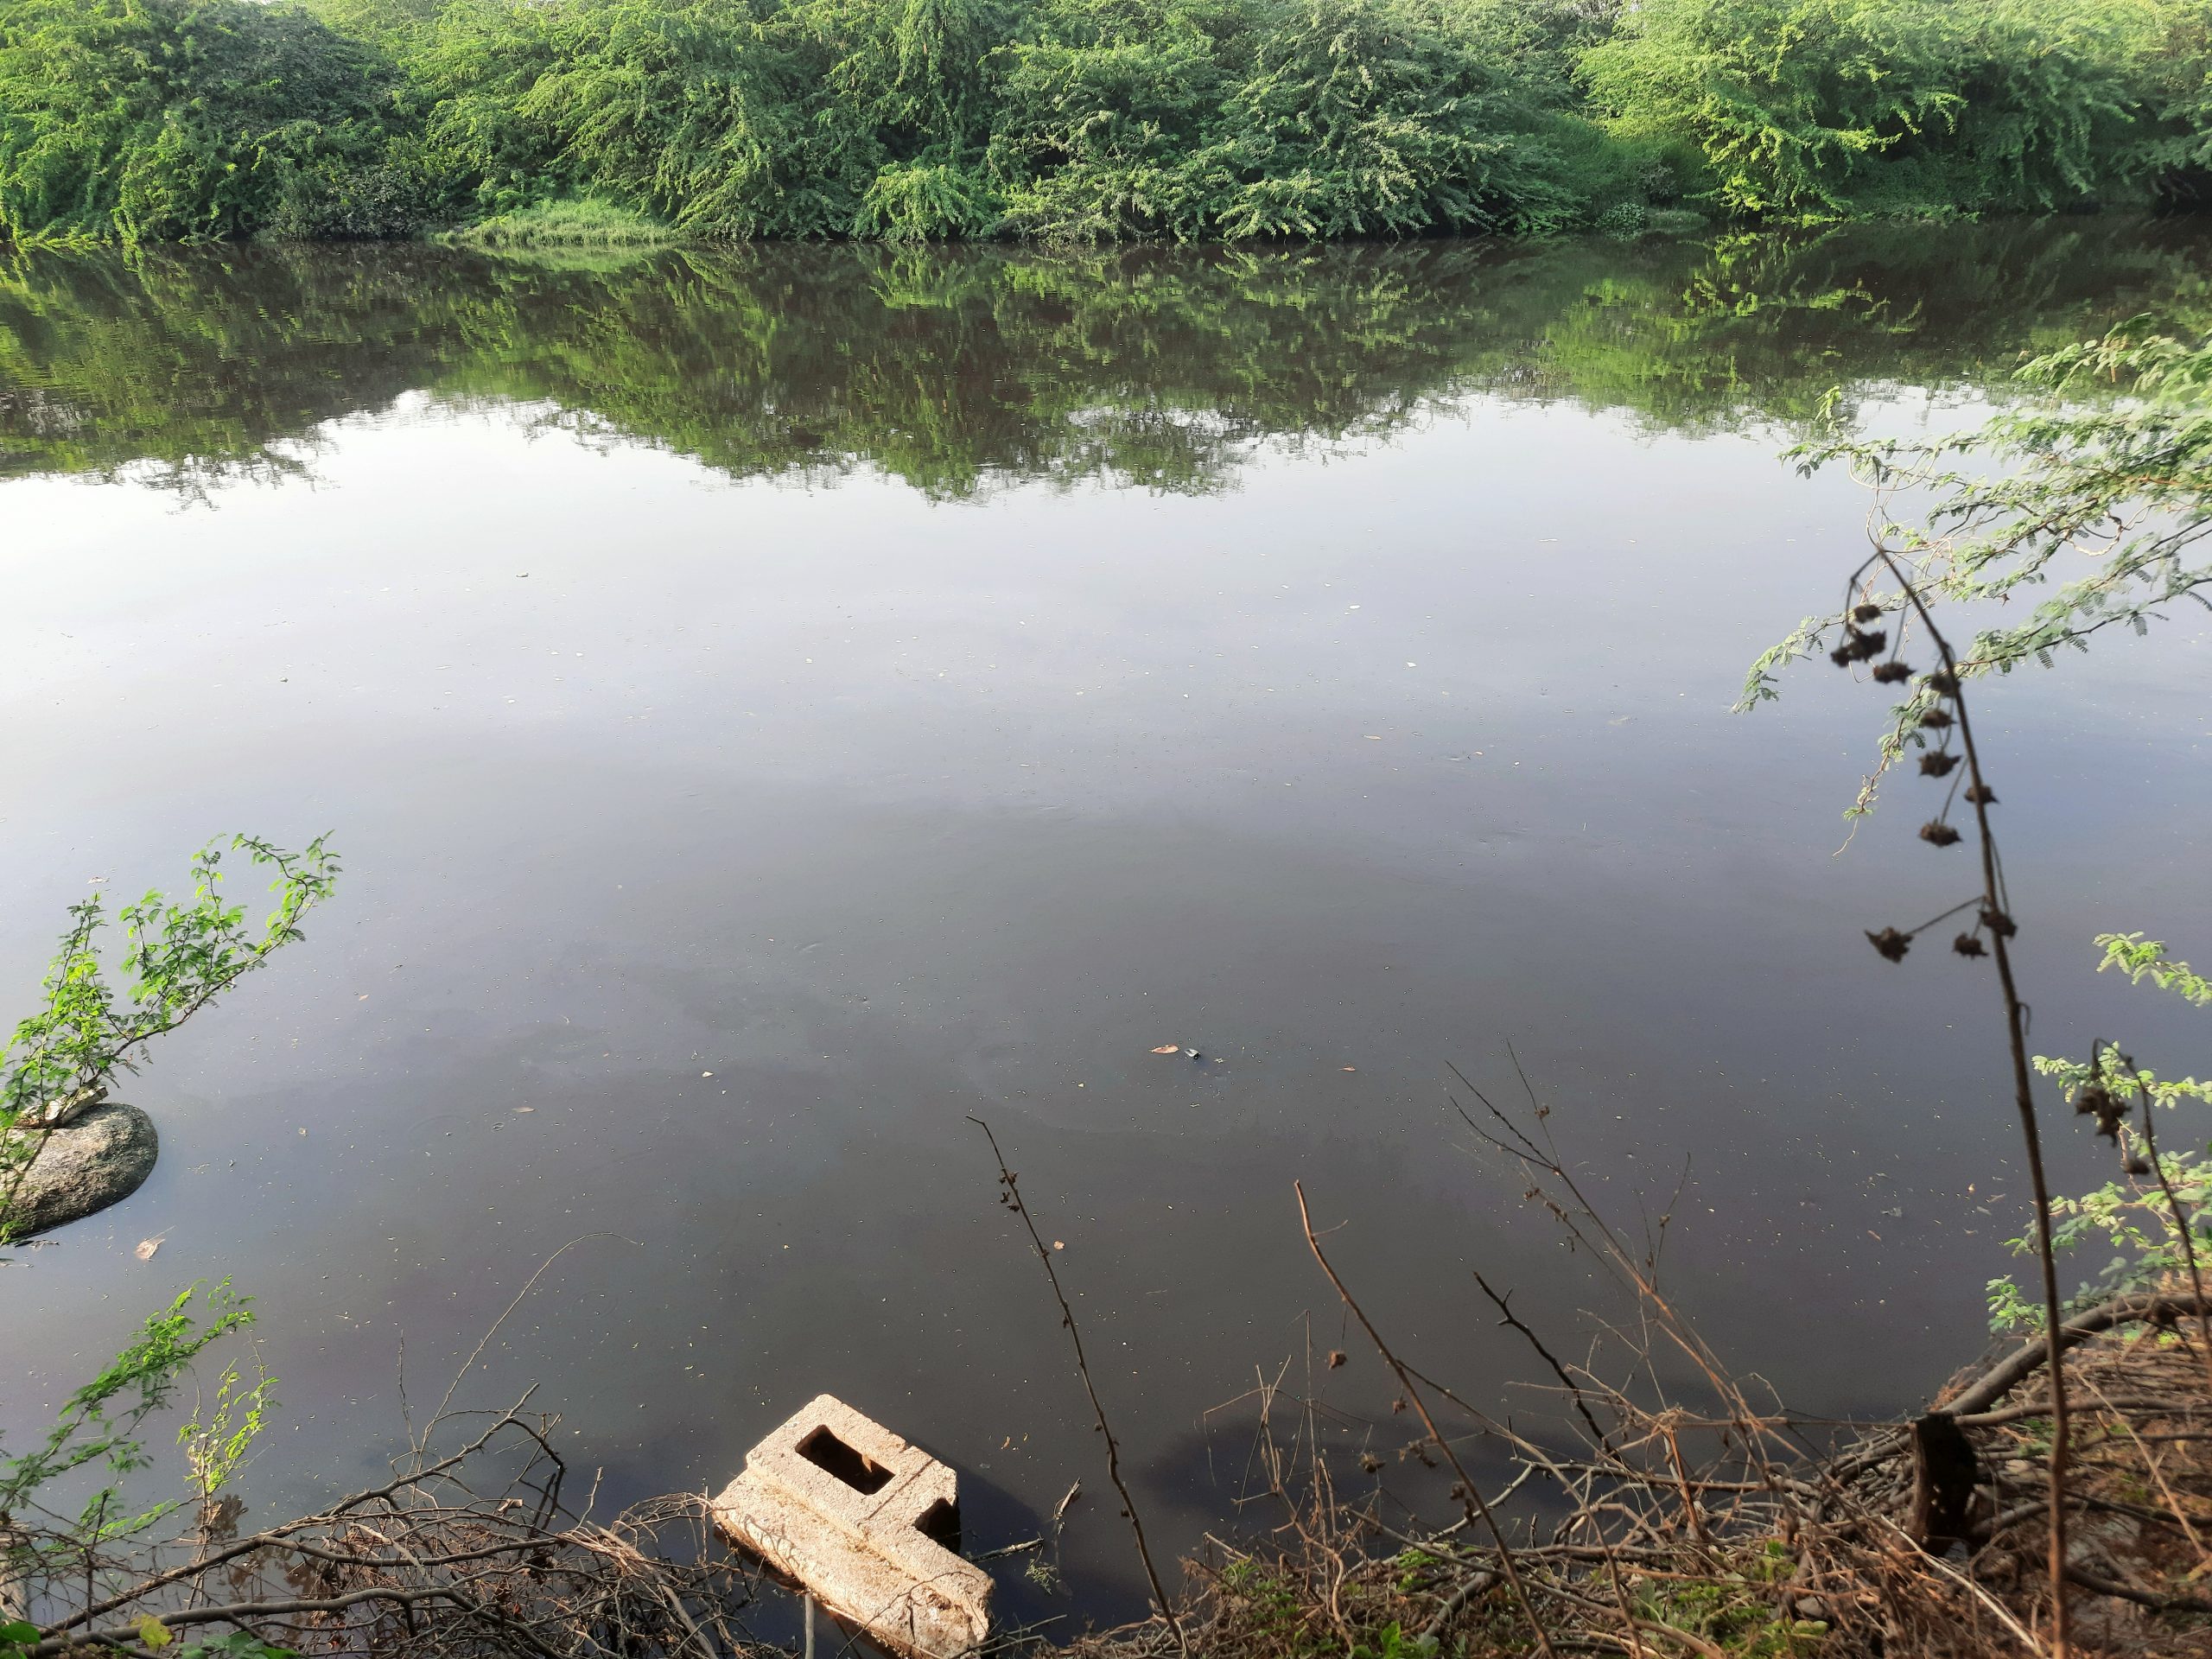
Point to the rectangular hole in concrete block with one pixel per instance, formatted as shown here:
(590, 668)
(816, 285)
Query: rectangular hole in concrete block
(825, 1451)
(940, 1523)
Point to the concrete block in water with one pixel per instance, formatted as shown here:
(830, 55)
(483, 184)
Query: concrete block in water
(868, 1524)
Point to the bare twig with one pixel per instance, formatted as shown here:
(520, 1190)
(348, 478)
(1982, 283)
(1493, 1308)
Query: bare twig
(1508, 1317)
(1011, 1199)
(1999, 925)
(1469, 1496)
(485, 1341)
(2182, 1232)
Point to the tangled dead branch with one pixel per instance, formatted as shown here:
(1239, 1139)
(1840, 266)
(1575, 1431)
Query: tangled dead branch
(1656, 1523)
(1873, 1546)
(469, 1553)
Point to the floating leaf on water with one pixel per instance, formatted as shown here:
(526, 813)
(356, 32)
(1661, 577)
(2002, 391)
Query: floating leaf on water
(145, 1253)
(1169, 1048)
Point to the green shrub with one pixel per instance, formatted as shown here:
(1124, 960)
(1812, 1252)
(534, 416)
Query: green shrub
(1813, 109)
(585, 224)
(1085, 120)
(167, 120)
(724, 118)
(926, 202)
(1099, 111)
(1201, 119)
(1365, 117)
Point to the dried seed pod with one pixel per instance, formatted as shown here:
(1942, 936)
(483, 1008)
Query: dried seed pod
(1841, 657)
(1892, 944)
(1938, 833)
(1981, 795)
(1998, 923)
(2095, 1098)
(1867, 613)
(1869, 644)
(2137, 1167)
(1936, 719)
(1369, 1462)
(1969, 944)
(1943, 684)
(1336, 1358)
(1891, 673)
(1938, 764)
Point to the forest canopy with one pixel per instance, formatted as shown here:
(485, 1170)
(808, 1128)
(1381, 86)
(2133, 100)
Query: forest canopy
(1082, 120)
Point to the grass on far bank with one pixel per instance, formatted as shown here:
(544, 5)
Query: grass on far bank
(579, 224)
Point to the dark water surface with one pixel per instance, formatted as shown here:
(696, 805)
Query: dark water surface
(774, 705)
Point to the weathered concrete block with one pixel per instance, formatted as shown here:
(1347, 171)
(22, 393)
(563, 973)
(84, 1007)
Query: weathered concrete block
(867, 1522)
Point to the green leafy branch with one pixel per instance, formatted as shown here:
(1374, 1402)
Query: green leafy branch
(2140, 959)
(17, 1640)
(2110, 467)
(180, 956)
(101, 1423)
(2157, 1216)
(216, 1448)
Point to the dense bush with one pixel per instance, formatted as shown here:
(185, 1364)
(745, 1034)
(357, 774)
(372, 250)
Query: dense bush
(1814, 108)
(1213, 118)
(1184, 118)
(1077, 120)
(175, 119)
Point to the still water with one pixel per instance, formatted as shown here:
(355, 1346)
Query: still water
(775, 705)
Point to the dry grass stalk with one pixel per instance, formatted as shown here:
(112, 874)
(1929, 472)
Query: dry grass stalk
(1649, 1524)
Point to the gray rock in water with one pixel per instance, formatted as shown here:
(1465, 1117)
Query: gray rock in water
(101, 1159)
